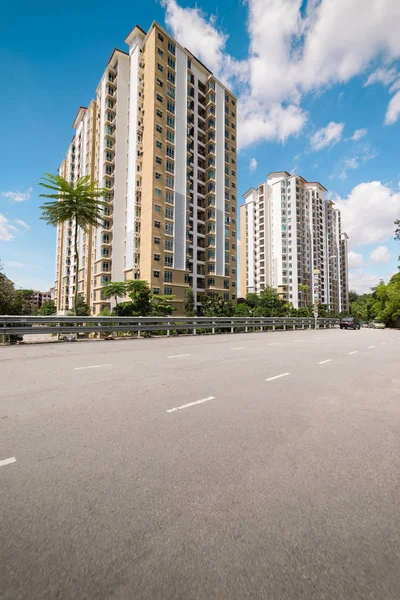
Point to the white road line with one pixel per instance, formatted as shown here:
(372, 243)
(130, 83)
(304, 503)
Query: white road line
(392, 340)
(178, 355)
(325, 361)
(354, 352)
(238, 348)
(273, 344)
(383, 342)
(190, 404)
(8, 461)
(92, 367)
(371, 346)
(277, 376)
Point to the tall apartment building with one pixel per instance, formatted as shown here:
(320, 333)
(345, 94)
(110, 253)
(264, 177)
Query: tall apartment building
(161, 137)
(292, 240)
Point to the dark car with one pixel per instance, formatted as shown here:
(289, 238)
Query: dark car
(349, 323)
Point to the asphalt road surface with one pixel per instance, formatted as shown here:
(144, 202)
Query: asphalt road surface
(243, 466)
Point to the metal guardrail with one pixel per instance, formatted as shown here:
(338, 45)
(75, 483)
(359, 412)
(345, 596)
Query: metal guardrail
(21, 325)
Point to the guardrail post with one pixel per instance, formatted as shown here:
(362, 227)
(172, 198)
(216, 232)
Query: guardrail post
(138, 333)
(232, 328)
(194, 329)
(294, 325)
(246, 328)
(284, 328)
(168, 326)
(213, 329)
(99, 325)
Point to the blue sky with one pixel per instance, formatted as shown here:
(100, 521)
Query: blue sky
(318, 88)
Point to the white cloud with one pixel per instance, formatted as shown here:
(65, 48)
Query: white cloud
(356, 260)
(362, 282)
(393, 110)
(382, 75)
(17, 196)
(6, 229)
(14, 264)
(381, 254)
(291, 54)
(352, 163)
(358, 134)
(22, 224)
(327, 136)
(369, 212)
(253, 165)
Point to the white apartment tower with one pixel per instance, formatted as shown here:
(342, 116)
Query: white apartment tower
(161, 137)
(293, 242)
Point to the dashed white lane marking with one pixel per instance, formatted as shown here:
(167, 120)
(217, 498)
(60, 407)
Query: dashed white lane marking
(277, 376)
(8, 461)
(170, 410)
(238, 348)
(178, 355)
(92, 367)
(325, 361)
(383, 342)
(392, 340)
(371, 346)
(354, 352)
(273, 344)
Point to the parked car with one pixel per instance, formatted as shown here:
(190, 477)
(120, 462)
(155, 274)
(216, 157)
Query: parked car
(377, 325)
(349, 323)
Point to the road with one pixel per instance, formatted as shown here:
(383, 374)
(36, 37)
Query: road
(282, 483)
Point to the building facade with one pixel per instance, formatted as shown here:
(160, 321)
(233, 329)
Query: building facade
(292, 240)
(161, 137)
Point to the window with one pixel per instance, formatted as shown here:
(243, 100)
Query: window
(169, 181)
(211, 241)
(158, 192)
(156, 291)
(159, 112)
(171, 77)
(169, 228)
(158, 160)
(159, 128)
(226, 296)
(168, 276)
(211, 253)
(157, 224)
(226, 244)
(168, 261)
(170, 136)
(211, 282)
(171, 62)
(158, 175)
(211, 268)
(169, 244)
(167, 291)
(227, 271)
(227, 257)
(171, 47)
(169, 212)
(159, 97)
(170, 166)
(160, 52)
(170, 152)
(158, 144)
(157, 240)
(160, 67)
(169, 197)
(171, 107)
(171, 122)
(157, 257)
(159, 82)
(157, 208)
(160, 37)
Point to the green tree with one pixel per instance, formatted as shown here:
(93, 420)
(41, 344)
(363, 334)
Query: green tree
(116, 289)
(213, 305)
(161, 305)
(270, 303)
(252, 300)
(140, 293)
(189, 303)
(81, 308)
(242, 310)
(78, 201)
(303, 290)
(48, 308)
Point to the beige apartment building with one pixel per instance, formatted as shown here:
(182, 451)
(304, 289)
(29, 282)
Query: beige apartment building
(292, 240)
(160, 135)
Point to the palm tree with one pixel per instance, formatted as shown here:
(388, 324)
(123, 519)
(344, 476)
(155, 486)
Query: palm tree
(116, 289)
(78, 201)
